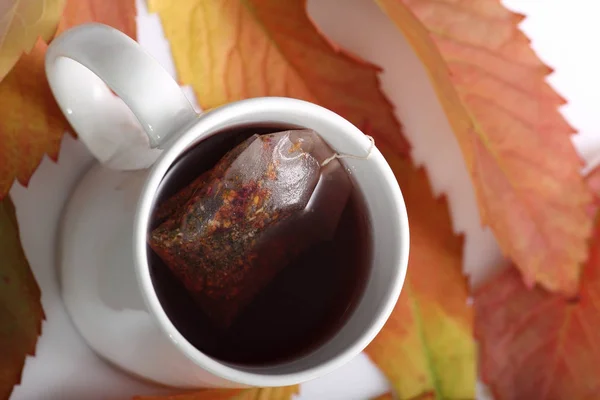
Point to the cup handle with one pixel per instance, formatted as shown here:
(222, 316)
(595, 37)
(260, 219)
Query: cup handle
(83, 61)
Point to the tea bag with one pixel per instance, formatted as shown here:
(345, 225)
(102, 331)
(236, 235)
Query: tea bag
(227, 234)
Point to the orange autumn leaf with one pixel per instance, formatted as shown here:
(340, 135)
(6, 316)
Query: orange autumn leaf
(232, 50)
(426, 348)
(537, 345)
(119, 14)
(386, 396)
(276, 393)
(21, 311)
(515, 143)
(31, 124)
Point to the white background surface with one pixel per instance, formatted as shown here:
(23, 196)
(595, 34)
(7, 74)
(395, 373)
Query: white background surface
(564, 33)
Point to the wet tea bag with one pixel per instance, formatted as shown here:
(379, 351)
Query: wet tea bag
(227, 234)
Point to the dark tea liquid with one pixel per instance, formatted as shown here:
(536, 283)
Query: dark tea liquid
(301, 308)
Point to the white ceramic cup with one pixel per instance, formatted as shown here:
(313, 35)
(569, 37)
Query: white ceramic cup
(104, 272)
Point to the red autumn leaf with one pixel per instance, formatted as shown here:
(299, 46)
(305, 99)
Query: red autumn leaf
(21, 312)
(31, 124)
(276, 393)
(516, 145)
(234, 50)
(537, 345)
(426, 348)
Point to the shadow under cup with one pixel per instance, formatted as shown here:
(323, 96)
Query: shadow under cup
(369, 297)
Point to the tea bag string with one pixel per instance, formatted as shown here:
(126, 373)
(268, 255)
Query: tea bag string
(353, 156)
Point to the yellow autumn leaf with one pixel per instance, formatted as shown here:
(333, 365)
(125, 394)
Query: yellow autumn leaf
(22, 22)
(236, 49)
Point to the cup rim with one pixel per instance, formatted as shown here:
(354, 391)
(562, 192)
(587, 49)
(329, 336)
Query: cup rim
(293, 111)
